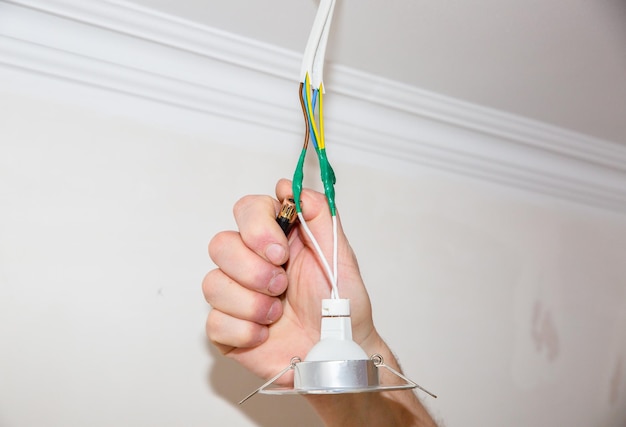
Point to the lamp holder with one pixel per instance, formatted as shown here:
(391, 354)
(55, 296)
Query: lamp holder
(336, 364)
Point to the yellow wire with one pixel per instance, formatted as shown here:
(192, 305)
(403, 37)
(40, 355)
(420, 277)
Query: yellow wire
(322, 142)
(307, 82)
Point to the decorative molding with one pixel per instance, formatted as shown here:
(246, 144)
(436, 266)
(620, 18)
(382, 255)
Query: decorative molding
(119, 47)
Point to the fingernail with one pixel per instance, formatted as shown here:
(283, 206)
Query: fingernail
(277, 284)
(274, 312)
(275, 253)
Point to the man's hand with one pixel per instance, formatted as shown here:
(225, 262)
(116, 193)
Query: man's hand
(266, 305)
(266, 293)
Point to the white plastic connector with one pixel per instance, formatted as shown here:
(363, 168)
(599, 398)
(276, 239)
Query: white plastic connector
(336, 334)
(335, 307)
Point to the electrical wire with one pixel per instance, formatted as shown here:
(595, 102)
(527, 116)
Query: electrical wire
(308, 97)
(308, 94)
(311, 96)
(307, 135)
(335, 293)
(320, 254)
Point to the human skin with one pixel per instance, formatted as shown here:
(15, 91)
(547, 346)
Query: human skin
(266, 302)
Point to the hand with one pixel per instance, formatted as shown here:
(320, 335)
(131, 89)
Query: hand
(266, 296)
(266, 292)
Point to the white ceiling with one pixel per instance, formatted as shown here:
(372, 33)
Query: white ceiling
(560, 62)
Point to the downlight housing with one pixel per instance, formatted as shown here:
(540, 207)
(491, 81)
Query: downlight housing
(336, 364)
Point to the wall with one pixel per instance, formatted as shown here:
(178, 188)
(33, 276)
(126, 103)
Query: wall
(509, 304)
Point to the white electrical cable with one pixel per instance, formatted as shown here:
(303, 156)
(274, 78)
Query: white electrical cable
(313, 60)
(318, 64)
(335, 293)
(320, 254)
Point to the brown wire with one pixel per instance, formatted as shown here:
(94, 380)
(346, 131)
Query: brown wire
(307, 134)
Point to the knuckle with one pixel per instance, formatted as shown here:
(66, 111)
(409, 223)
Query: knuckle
(249, 201)
(242, 204)
(252, 335)
(212, 326)
(259, 277)
(218, 242)
(210, 285)
(259, 308)
(218, 342)
(222, 330)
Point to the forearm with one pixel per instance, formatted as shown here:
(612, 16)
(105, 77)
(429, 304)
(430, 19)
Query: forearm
(391, 408)
(397, 408)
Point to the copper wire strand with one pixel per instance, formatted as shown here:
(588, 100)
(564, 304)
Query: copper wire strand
(307, 134)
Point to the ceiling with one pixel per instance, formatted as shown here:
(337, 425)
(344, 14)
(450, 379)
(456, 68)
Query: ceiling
(560, 62)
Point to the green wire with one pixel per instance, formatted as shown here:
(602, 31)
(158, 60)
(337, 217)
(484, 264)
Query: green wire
(328, 179)
(298, 177)
(326, 170)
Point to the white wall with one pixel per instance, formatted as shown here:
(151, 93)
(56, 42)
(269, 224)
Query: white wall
(509, 304)
(104, 226)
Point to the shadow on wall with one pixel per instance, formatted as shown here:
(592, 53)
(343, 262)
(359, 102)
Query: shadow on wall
(232, 382)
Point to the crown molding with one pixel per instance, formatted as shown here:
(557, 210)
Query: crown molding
(121, 48)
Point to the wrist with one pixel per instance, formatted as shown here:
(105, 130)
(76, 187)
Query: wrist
(374, 344)
(391, 408)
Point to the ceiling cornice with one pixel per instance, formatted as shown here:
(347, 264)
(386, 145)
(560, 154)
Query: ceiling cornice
(123, 48)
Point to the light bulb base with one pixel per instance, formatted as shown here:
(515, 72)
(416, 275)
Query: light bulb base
(336, 342)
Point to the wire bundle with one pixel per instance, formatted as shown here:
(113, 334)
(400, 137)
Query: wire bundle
(311, 94)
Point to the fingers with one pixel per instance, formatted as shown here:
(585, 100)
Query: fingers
(239, 315)
(256, 219)
(242, 291)
(227, 296)
(228, 332)
(244, 266)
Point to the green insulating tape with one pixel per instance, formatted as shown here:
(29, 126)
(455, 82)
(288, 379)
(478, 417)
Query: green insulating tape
(328, 179)
(298, 177)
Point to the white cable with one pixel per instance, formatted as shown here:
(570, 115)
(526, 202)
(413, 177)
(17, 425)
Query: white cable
(317, 75)
(320, 254)
(314, 38)
(335, 293)
(313, 60)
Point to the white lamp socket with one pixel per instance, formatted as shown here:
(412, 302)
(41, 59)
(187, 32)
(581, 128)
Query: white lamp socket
(336, 334)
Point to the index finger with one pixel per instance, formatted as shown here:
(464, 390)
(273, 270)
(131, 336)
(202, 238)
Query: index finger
(256, 219)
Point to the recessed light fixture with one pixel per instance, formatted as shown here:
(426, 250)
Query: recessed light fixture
(336, 364)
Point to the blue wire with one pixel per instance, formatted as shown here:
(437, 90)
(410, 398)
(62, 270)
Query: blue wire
(311, 132)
